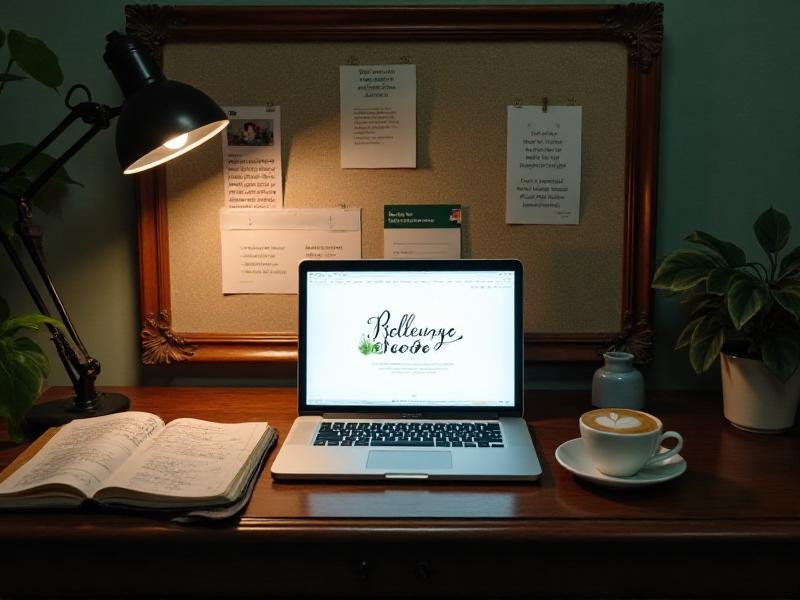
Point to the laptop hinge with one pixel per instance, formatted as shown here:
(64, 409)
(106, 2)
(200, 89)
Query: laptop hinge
(415, 416)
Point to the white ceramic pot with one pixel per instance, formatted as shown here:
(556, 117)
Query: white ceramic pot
(754, 399)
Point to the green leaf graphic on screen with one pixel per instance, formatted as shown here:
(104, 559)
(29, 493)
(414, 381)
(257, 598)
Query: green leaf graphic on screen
(366, 347)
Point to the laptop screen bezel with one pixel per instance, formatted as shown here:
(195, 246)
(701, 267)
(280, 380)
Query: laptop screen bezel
(473, 265)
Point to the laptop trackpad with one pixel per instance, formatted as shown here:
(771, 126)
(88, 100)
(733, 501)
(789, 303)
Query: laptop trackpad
(415, 460)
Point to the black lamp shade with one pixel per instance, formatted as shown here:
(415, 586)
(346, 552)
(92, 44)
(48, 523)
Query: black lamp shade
(158, 113)
(160, 119)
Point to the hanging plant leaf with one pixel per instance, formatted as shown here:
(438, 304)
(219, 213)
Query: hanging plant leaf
(30, 321)
(772, 229)
(21, 382)
(686, 335)
(23, 367)
(11, 77)
(788, 296)
(35, 58)
(790, 264)
(720, 279)
(730, 253)
(746, 298)
(10, 154)
(683, 269)
(781, 355)
(706, 343)
(49, 197)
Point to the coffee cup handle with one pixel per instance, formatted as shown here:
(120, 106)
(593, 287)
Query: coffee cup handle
(659, 457)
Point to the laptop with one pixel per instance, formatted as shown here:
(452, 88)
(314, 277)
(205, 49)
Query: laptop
(409, 369)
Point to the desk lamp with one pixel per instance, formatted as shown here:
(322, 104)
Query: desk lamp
(159, 120)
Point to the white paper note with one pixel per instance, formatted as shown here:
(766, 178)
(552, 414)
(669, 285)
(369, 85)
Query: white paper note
(378, 116)
(422, 231)
(251, 155)
(543, 174)
(261, 249)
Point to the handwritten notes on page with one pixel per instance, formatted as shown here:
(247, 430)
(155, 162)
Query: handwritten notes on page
(262, 248)
(251, 155)
(191, 458)
(543, 172)
(85, 452)
(378, 116)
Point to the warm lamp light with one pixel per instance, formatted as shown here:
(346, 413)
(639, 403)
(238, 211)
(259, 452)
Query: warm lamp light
(159, 120)
(171, 110)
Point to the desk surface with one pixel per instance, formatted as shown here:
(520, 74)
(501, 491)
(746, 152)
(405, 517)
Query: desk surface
(735, 511)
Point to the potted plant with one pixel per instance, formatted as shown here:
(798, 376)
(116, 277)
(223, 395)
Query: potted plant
(23, 366)
(749, 312)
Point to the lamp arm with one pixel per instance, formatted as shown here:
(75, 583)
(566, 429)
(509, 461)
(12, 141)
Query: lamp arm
(65, 352)
(39, 148)
(81, 367)
(31, 235)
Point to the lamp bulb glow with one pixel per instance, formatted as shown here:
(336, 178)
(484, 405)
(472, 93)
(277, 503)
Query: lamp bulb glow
(177, 142)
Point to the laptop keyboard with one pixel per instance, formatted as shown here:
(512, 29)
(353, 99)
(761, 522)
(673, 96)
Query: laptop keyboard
(468, 434)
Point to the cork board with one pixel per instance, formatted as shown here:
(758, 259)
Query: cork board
(578, 278)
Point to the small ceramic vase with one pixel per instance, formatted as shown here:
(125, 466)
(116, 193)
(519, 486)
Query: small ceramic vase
(618, 384)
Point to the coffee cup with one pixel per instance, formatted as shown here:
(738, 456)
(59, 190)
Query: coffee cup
(621, 442)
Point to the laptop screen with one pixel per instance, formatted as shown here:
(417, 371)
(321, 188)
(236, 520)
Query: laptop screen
(409, 335)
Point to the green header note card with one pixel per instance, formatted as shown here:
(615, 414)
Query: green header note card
(422, 231)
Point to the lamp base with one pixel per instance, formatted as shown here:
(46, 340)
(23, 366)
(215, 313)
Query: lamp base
(59, 412)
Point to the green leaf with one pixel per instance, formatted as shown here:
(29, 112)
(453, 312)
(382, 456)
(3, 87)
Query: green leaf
(33, 354)
(730, 253)
(781, 355)
(790, 264)
(5, 311)
(686, 335)
(11, 77)
(30, 321)
(10, 154)
(20, 384)
(707, 305)
(23, 368)
(788, 296)
(772, 229)
(35, 58)
(2, 38)
(683, 269)
(746, 297)
(720, 279)
(706, 342)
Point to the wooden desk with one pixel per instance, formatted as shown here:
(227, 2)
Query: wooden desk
(730, 526)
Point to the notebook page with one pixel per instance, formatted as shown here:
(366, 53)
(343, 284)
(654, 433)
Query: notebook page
(190, 459)
(85, 452)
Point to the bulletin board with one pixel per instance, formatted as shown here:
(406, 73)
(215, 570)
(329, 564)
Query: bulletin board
(586, 285)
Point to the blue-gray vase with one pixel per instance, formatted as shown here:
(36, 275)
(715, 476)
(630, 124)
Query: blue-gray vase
(617, 384)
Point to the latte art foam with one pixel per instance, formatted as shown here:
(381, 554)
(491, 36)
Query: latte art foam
(619, 420)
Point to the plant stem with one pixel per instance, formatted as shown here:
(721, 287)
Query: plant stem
(8, 68)
(773, 265)
(757, 272)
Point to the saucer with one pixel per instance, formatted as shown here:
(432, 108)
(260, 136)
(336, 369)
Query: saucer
(572, 456)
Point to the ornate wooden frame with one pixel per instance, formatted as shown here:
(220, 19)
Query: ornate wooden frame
(637, 26)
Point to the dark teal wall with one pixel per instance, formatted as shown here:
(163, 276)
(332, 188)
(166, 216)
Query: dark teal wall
(730, 145)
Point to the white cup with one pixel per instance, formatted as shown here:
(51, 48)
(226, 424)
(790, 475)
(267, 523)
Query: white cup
(618, 446)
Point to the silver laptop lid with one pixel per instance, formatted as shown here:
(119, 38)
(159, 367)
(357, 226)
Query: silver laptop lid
(395, 336)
